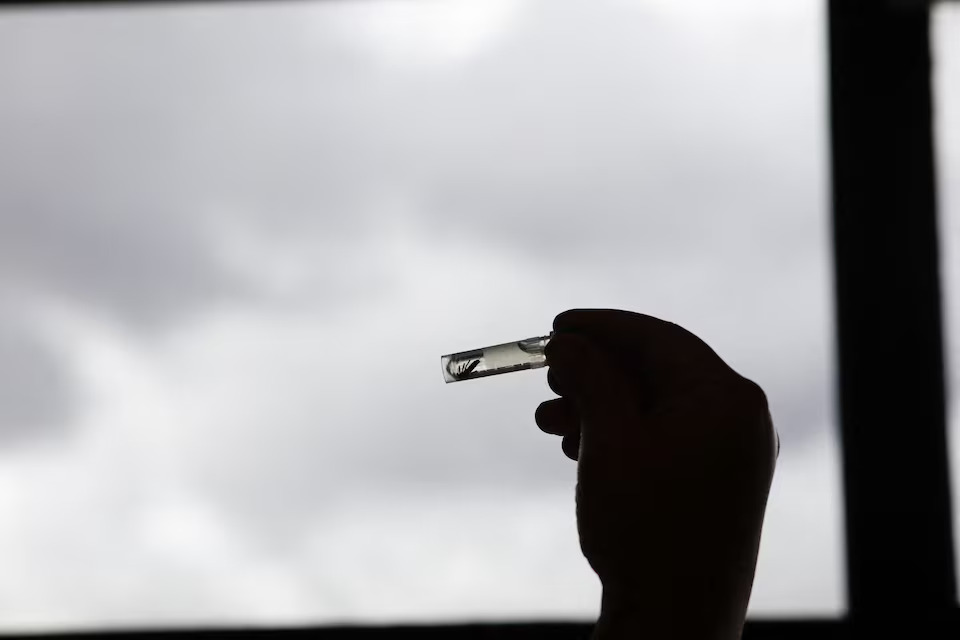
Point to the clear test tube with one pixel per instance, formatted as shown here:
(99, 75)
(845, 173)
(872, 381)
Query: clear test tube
(490, 361)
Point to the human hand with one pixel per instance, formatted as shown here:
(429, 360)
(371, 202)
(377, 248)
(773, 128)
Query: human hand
(676, 453)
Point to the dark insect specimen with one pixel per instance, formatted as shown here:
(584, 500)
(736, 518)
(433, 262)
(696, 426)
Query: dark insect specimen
(464, 368)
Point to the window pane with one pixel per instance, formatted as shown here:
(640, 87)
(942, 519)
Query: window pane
(946, 53)
(235, 240)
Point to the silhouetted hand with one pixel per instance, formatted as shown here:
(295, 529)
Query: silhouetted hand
(675, 454)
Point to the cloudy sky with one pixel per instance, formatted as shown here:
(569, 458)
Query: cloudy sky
(235, 240)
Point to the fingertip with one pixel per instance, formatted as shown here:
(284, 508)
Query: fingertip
(562, 320)
(572, 318)
(546, 416)
(557, 417)
(592, 319)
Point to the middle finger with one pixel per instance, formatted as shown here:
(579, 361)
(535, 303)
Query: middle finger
(558, 417)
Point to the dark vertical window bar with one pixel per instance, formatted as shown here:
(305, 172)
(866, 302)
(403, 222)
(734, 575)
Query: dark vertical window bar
(891, 387)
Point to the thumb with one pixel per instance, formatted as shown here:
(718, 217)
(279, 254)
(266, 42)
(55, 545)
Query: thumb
(588, 375)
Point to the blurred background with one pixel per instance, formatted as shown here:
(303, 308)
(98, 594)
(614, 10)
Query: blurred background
(235, 239)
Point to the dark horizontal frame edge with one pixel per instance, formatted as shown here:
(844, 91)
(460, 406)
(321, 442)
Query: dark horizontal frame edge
(822, 629)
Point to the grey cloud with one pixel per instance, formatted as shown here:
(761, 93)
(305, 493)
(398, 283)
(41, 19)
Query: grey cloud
(586, 150)
(125, 134)
(582, 141)
(595, 144)
(132, 261)
(36, 395)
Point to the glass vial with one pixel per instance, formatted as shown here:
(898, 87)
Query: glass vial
(490, 361)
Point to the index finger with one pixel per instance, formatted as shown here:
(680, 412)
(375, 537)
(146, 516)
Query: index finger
(653, 348)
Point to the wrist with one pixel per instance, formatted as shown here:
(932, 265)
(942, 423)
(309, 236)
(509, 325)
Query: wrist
(620, 618)
(636, 616)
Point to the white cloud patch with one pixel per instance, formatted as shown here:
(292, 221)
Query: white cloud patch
(427, 33)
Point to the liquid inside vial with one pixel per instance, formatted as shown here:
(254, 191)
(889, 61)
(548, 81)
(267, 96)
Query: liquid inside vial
(491, 361)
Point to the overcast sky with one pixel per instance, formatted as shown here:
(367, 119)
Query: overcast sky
(235, 240)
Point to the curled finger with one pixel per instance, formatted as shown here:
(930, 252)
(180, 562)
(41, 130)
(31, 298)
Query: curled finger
(557, 417)
(571, 446)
